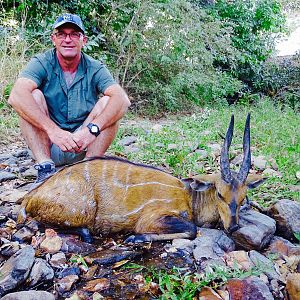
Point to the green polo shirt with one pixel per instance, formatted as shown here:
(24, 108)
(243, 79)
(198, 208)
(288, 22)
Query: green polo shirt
(68, 107)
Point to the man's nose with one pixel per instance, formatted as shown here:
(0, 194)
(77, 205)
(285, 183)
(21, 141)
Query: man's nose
(68, 39)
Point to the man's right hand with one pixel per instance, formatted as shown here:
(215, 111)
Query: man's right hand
(63, 139)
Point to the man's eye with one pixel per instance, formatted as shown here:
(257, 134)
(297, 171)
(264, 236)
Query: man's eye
(60, 35)
(75, 35)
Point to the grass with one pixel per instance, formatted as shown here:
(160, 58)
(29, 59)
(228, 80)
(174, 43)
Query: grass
(275, 134)
(180, 283)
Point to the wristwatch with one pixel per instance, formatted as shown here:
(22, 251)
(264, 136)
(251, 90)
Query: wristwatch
(93, 128)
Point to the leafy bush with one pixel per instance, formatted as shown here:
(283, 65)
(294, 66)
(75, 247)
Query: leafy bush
(255, 24)
(169, 55)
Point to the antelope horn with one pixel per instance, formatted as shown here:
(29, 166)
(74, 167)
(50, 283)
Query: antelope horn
(244, 170)
(224, 160)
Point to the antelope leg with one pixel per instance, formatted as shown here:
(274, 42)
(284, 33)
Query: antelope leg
(168, 228)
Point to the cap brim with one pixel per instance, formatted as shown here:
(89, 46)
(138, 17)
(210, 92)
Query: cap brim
(65, 22)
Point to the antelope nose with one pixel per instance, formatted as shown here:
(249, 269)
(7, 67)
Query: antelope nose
(233, 228)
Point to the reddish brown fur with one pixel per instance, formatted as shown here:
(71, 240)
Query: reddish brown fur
(109, 195)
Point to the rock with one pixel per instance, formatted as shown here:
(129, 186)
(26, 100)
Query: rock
(249, 288)
(202, 153)
(4, 157)
(23, 235)
(208, 293)
(21, 153)
(30, 173)
(65, 284)
(13, 196)
(271, 173)
(131, 149)
(211, 246)
(259, 162)
(238, 160)
(293, 286)
(184, 244)
(71, 244)
(97, 285)
(40, 272)
(298, 175)
(128, 140)
(256, 230)
(286, 214)
(239, 259)
(157, 128)
(279, 245)
(68, 271)
(5, 176)
(110, 256)
(9, 249)
(294, 188)
(264, 264)
(16, 269)
(52, 243)
(58, 260)
(29, 295)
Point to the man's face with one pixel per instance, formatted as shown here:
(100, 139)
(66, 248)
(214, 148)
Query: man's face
(68, 41)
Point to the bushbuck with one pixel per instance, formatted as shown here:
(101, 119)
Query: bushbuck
(109, 195)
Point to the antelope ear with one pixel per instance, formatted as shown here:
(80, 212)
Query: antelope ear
(197, 185)
(253, 181)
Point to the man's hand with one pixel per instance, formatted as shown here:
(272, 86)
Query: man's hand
(64, 140)
(83, 138)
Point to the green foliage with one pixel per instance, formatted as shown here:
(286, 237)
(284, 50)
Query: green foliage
(297, 236)
(255, 24)
(179, 283)
(169, 55)
(275, 134)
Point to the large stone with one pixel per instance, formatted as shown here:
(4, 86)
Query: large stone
(40, 272)
(255, 232)
(13, 196)
(211, 246)
(279, 245)
(287, 216)
(293, 286)
(65, 284)
(110, 256)
(250, 288)
(239, 259)
(208, 293)
(29, 295)
(16, 269)
(5, 176)
(264, 264)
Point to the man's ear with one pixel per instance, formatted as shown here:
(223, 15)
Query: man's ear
(84, 41)
(197, 185)
(253, 181)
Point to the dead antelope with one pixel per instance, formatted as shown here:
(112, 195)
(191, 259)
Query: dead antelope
(108, 195)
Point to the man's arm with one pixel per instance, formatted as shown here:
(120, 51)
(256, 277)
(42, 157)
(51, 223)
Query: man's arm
(115, 109)
(22, 101)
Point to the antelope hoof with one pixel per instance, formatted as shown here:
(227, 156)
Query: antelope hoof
(85, 235)
(139, 238)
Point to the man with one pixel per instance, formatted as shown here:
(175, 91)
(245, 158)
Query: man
(56, 97)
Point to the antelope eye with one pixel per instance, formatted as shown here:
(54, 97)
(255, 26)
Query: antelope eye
(220, 196)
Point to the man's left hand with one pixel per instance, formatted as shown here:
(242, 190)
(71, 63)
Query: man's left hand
(83, 138)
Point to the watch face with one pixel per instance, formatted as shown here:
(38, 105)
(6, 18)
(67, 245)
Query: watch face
(94, 129)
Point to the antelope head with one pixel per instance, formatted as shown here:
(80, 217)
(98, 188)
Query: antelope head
(228, 189)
